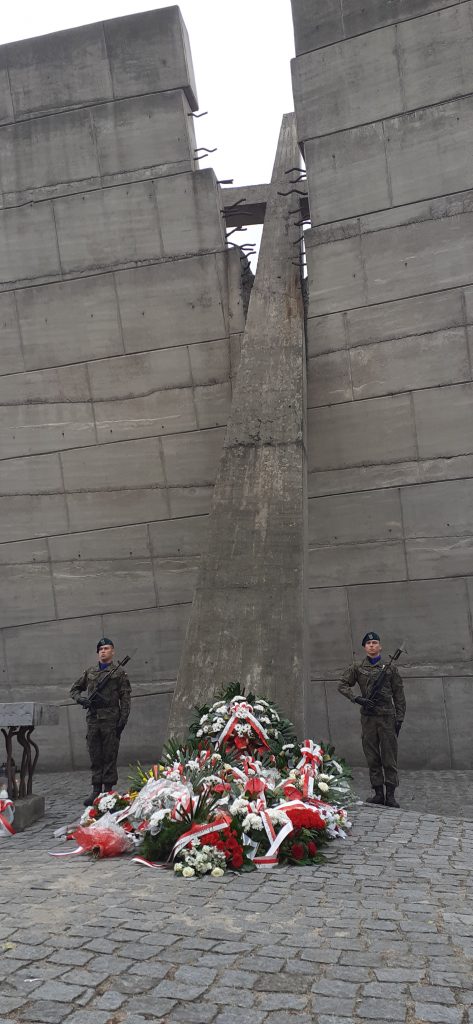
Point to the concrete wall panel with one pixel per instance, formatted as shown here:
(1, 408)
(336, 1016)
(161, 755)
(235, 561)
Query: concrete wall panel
(94, 510)
(161, 308)
(434, 557)
(47, 73)
(150, 53)
(190, 500)
(210, 362)
(432, 616)
(45, 411)
(347, 564)
(358, 78)
(168, 411)
(371, 14)
(135, 376)
(311, 32)
(379, 430)
(212, 404)
(189, 212)
(436, 55)
(69, 322)
(47, 151)
(52, 653)
(32, 515)
(316, 718)
(429, 151)
(406, 364)
(11, 357)
(404, 318)
(111, 467)
(176, 579)
(442, 509)
(40, 474)
(329, 630)
(444, 421)
(87, 587)
(459, 707)
(329, 379)
(108, 227)
(332, 20)
(336, 273)
(418, 745)
(149, 132)
(6, 105)
(344, 721)
(26, 594)
(347, 173)
(342, 518)
(28, 245)
(180, 537)
(155, 635)
(192, 459)
(325, 334)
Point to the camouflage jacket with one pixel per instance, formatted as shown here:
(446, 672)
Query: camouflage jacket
(116, 693)
(390, 698)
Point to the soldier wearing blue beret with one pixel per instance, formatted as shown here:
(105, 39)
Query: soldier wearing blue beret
(107, 715)
(383, 706)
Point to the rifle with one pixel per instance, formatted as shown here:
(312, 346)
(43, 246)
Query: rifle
(378, 683)
(95, 700)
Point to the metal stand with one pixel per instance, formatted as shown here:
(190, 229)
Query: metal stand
(28, 760)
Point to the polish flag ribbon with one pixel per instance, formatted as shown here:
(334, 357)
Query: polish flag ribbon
(238, 717)
(7, 811)
(312, 755)
(198, 832)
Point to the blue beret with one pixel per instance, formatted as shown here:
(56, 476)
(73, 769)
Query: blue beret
(104, 642)
(367, 636)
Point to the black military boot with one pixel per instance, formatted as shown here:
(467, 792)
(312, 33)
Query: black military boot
(91, 797)
(390, 798)
(378, 797)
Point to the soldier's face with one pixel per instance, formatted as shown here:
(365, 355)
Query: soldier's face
(373, 648)
(106, 654)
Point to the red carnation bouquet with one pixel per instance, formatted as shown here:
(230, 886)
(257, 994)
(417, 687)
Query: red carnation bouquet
(303, 844)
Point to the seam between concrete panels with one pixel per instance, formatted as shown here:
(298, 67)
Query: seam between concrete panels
(94, 615)
(109, 65)
(57, 111)
(99, 529)
(380, 28)
(387, 302)
(150, 554)
(403, 534)
(380, 398)
(426, 219)
(53, 214)
(119, 321)
(384, 582)
(51, 574)
(165, 487)
(192, 386)
(388, 171)
(400, 67)
(20, 336)
(125, 440)
(93, 128)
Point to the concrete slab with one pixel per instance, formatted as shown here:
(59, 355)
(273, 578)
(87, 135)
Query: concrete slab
(325, 334)
(157, 636)
(435, 55)
(429, 151)
(419, 315)
(168, 411)
(329, 630)
(422, 361)
(160, 308)
(192, 459)
(145, 133)
(6, 106)
(40, 474)
(311, 32)
(210, 362)
(316, 717)
(358, 79)
(12, 356)
(95, 510)
(102, 585)
(28, 245)
(149, 52)
(432, 747)
(59, 70)
(434, 557)
(27, 594)
(379, 430)
(213, 404)
(458, 693)
(69, 322)
(44, 155)
(329, 379)
(190, 501)
(349, 564)
(176, 579)
(32, 515)
(347, 173)
(449, 413)
(134, 463)
(364, 18)
(108, 228)
(137, 375)
(362, 517)
(36, 654)
(189, 213)
(441, 509)
(179, 538)
(344, 722)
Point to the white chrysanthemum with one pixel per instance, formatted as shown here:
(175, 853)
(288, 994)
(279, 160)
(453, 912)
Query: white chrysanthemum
(252, 821)
(200, 732)
(193, 766)
(107, 803)
(217, 872)
(322, 786)
(178, 867)
(239, 806)
(188, 872)
(277, 817)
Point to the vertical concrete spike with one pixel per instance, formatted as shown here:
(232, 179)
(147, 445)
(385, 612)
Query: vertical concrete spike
(248, 619)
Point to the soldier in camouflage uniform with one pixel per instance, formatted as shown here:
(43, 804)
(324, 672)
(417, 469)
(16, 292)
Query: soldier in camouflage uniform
(381, 719)
(105, 724)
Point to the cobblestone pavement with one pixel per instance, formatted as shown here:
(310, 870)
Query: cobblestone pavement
(383, 932)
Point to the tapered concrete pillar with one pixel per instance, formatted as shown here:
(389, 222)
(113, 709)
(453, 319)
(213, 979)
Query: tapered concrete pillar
(248, 619)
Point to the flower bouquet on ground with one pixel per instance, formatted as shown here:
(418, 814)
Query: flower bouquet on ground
(240, 793)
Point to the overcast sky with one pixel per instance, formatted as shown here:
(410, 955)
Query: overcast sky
(241, 51)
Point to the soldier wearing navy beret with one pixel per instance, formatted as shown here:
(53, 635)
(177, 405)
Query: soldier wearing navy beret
(383, 706)
(106, 720)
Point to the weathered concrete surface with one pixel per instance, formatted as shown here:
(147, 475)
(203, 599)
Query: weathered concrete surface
(249, 611)
(389, 338)
(28, 809)
(120, 318)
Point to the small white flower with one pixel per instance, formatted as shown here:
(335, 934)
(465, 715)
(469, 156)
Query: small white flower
(199, 732)
(323, 787)
(107, 803)
(188, 872)
(217, 872)
(178, 867)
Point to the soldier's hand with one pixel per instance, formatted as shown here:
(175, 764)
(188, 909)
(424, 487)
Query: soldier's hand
(120, 727)
(397, 727)
(84, 702)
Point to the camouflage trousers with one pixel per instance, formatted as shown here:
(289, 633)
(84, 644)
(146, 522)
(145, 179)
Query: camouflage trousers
(378, 736)
(103, 744)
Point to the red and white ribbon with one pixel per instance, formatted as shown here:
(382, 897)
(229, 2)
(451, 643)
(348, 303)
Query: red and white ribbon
(66, 853)
(7, 812)
(147, 863)
(198, 832)
(312, 754)
(238, 718)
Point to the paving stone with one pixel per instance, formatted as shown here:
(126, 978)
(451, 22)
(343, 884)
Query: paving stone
(432, 994)
(381, 1009)
(435, 1013)
(200, 1013)
(178, 991)
(89, 1017)
(235, 1017)
(332, 1004)
(110, 1001)
(44, 1012)
(59, 992)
